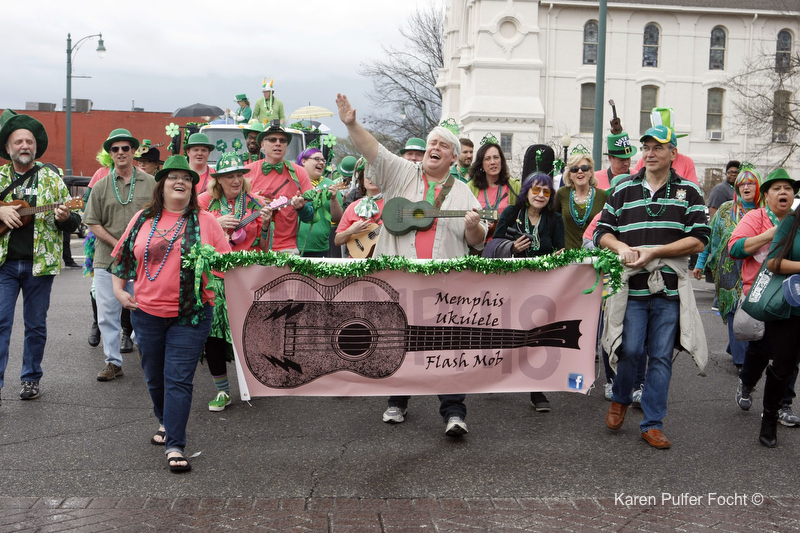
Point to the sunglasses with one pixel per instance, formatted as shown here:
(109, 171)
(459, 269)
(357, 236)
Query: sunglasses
(541, 190)
(115, 149)
(279, 140)
(582, 168)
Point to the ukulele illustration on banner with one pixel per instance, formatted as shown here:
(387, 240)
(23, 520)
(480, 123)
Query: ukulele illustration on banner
(298, 329)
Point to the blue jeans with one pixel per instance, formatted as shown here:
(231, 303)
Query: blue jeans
(736, 348)
(649, 330)
(108, 314)
(170, 353)
(16, 276)
(449, 405)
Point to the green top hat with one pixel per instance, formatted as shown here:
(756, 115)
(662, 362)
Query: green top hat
(347, 167)
(253, 126)
(620, 146)
(240, 97)
(778, 174)
(11, 122)
(198, 139)
(661, 134)
(275, 127)
(229, 163)
(665, 116)
(177, 162)
(414, 143)
(120, 134)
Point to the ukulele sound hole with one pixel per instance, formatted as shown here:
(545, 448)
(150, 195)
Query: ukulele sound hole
(418, 213)
(355, 340)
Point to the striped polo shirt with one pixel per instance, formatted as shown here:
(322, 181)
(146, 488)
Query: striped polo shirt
(626, 216)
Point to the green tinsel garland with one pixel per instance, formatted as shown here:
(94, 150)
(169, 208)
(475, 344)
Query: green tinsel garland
(604, 261)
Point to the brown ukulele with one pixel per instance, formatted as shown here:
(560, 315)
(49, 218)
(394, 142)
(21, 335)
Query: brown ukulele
(361, 245)
(616, 125)
(26, 212)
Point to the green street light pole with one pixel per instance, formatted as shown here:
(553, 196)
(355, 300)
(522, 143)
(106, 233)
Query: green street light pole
(101, 51)
(599, 87)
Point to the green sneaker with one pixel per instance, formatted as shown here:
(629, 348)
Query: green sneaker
(218, 404)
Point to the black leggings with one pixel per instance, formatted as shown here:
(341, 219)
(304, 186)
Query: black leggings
(216, 355)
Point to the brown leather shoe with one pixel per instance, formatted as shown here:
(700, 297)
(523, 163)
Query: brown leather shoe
(656, 439)
(616, 415)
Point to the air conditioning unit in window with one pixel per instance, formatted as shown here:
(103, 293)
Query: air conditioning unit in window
(781, 137)
(714, 135)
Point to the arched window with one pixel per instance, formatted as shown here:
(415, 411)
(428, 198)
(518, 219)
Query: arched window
(783, 54)
(650, 48)
(649, 101)
(587, 108)
(780, 116)
(590, 43)
(714, 109)
(716, 55)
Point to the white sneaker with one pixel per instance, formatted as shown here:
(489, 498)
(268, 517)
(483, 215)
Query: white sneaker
(455, 427)
(607, 389)
(394, 415)
(637, 397)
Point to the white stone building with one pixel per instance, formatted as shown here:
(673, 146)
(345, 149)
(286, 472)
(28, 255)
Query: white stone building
(525, 70)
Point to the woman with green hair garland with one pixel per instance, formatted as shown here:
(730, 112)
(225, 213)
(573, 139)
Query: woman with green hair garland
(727, 270)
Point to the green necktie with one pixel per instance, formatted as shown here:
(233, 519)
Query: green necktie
(266, 168)
(430, 195)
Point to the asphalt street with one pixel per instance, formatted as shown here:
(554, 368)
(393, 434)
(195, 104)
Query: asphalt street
(87, 439)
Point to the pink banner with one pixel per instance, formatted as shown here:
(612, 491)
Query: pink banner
(395, 333)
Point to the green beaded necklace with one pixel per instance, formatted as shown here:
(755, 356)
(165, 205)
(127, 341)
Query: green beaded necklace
(116, 190)
(663, 205)
(581, 221)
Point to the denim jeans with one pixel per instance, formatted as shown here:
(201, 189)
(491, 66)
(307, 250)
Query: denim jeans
(649, 330)
(449, 405)
(736, 348)
(756, 360)
(16, 276)
(170, 353)
(108, 314)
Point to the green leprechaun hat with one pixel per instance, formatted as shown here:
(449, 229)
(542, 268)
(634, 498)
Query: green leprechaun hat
(230, 162)
(10, 121)
(619, 145)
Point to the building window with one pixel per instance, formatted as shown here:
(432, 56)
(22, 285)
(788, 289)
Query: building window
(650, 49)
(587, 108)
(780, 116)
(716, 56)
(505, 143)
(590, 43)
(783, 54)
(714, 110)
(649, 101)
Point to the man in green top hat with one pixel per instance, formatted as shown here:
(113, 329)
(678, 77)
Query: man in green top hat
(244, 113)
(269, 108)
(197, 150)
(250, 133)
(114, 200)
(30, 255)
(414, 150)
(620, 152)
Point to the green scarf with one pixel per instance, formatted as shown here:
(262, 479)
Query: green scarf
(190, 308)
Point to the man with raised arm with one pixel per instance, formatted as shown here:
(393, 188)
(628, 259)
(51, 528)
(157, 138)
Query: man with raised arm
(448, 238)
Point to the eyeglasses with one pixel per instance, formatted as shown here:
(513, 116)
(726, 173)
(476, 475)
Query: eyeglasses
(178, 177)
(317, 159)
(536, 191)
(126, 148)
(732, 172)
(582, 168)
(279, 140)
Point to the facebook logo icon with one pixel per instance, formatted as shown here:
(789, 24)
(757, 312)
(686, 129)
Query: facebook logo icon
(575, 381)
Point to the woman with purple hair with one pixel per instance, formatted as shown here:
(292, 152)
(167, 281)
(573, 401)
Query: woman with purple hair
(530, 228)
(313, 238)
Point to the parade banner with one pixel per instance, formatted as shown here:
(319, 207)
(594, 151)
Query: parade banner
(398, 333)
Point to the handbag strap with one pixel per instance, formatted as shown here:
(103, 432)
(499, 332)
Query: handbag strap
(18, 181)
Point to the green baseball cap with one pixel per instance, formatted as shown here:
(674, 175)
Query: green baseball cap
(660, 133)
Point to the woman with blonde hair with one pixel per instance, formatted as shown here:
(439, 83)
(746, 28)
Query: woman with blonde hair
(579, 200)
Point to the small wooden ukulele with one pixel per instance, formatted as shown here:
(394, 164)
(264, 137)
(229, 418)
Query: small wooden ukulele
(26, 212)
(361, 245)
(401, 215)
(616, 125)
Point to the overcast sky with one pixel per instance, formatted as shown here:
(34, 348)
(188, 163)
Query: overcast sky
(165, 55)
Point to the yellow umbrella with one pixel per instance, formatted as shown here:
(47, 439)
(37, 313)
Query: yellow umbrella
(311, 111)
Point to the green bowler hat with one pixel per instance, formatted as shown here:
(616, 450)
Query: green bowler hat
(240, 97)
(275, 127)
(348, 166)
(778, 174)
(414, 143)
(120, 134)
(255, 126)
(177, 162)
(198, 139)
(229, 163)
(10, 121)
(620, 146)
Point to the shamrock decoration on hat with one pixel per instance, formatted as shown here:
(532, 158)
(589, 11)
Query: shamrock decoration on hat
(451, 125)
(489, 138)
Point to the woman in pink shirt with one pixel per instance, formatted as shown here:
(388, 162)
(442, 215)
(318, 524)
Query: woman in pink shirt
(170, 319)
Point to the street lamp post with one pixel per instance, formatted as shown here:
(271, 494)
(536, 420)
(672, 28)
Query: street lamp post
(101, 51)
(566, 140)
(424, 114)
